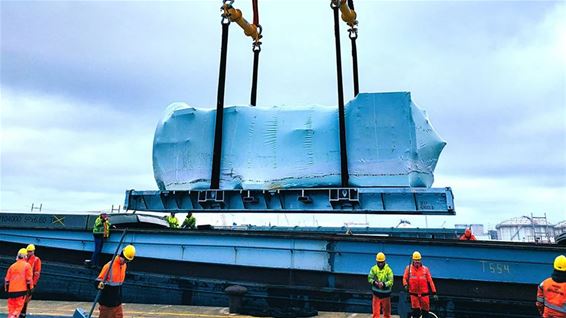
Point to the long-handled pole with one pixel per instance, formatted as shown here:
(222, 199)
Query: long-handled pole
(108, 272)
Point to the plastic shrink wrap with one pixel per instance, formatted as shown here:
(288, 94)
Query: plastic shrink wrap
(390, 143)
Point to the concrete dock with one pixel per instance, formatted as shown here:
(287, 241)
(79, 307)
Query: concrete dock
(53, 309)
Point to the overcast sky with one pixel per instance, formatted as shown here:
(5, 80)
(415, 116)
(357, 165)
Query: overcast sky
(83, 85)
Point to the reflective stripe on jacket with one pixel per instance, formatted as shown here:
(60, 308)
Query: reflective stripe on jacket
(19, 277)
(35, 263)
(111, 295)
(385, 276)
(551, 298)
(419, 280)
(116, 276)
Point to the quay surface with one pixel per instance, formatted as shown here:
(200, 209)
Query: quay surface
(54, 309)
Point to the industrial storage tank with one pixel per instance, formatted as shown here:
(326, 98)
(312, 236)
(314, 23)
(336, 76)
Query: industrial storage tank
(526, 229)
(560, 228)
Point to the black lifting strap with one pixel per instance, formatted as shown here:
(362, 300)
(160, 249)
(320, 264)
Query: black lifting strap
(353, 34)
(335, 5)
(217, 153)
(253, 96)
(256, 49)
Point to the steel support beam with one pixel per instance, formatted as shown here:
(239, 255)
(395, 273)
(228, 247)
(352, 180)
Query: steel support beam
(418, 201)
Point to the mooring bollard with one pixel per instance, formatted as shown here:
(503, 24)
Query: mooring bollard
(236, 294)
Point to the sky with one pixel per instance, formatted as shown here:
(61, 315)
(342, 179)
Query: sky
(83, 85)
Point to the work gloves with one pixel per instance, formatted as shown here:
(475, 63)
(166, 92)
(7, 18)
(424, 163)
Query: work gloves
(100, 285)
(406, 287)
(379, 285)
(435, 297)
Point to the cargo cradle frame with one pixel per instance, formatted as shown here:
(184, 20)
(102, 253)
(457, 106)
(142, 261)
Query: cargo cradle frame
(376, 200)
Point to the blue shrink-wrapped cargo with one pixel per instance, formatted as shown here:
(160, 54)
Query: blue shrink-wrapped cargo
(390, 143)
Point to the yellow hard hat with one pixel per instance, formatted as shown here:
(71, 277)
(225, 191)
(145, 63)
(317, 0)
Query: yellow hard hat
(129, 252)
(23, 252)
(380, 257)
(31, 248)
(560, 263)
(416, 256)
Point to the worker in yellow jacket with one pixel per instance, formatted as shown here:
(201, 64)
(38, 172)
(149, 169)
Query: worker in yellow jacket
(381, 280)
(172, 220)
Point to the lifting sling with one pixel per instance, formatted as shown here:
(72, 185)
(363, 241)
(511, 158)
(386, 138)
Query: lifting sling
(217, 150)
(256, 48)
(231, 14)
(335, 5)
(349, 16)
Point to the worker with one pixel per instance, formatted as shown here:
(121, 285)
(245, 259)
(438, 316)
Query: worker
(100, 231)
(551, 295)
(190, 222)
(416, 280)
(110, 301)
(381, 280)
(35, 263)
(18, 284)
(172, 220)
(467, 236)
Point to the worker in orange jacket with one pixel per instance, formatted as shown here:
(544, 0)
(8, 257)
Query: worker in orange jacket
(551, 294)
(18, 284)
(35, 263)
(467, 236)
(418, 282)
(110, 301)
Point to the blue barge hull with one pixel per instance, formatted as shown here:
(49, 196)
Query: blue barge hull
(326, 271)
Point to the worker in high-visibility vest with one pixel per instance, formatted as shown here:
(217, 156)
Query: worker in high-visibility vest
(467, 236)
(551, 295)
(381, 280)
(190, 222)
(18, 284)
(172, 220)
(418, 282)
(100, 232)
(110, 301)
(35, 263)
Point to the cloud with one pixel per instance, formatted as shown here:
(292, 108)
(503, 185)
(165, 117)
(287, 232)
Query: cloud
(55, 148)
